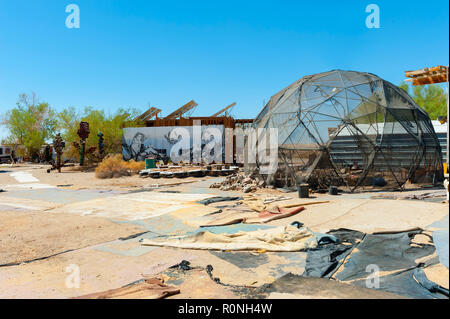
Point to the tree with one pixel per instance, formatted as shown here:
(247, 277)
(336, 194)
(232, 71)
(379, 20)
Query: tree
(110, 124)
(432, 98)
(30, 123)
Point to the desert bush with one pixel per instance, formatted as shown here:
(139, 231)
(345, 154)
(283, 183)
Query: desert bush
(135, 167)
(113, 166)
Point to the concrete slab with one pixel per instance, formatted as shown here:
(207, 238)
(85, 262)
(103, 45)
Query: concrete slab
(61, 196)
(441, 239)
(137, 206)
(368, 215)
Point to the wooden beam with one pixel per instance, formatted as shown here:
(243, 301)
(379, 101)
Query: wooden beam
(224, 109)
(147, 115)
(182, 110)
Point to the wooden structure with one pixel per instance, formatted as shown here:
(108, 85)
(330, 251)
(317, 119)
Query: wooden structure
(149, 114)
(177, 117)
(225, 111)
(437, 74)
(226, 121)
(182, 110)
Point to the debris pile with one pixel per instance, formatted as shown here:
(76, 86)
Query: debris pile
(321, 179)
(187, 170)
(241, 182)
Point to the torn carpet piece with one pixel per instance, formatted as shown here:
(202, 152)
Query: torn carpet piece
(259, 204)
(151, 288)
(277, 213)
(251, 218)
(284, 238)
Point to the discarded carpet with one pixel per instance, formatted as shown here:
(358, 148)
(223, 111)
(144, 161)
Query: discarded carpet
(152, 288)
(264, 216)
(277, 213)
(259, 204)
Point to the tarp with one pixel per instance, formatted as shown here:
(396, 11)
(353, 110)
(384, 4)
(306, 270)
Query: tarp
(284, 238)
(396, 256)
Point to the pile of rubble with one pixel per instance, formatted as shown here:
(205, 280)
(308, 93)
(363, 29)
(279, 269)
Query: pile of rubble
(241, 182)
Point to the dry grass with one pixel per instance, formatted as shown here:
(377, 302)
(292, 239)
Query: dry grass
(114, 166)
(136, 167)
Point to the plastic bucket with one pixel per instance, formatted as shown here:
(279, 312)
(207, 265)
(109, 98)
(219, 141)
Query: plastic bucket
(333, 190)
(303, 190)
(150, 163)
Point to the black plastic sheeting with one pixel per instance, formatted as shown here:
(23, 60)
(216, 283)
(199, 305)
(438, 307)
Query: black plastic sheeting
(309, 287)
(403, 284)
(390, 252)
(218, 199)
(322, 261)
(393, 254)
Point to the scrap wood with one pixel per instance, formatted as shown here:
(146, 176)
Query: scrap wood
(275, 199)
(150, 288)
(304, 204)
(241, 182)
(180, 183)
(398, 231)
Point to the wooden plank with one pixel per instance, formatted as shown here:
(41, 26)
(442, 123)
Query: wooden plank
(180, 111)
(224, 109)
(147, 115)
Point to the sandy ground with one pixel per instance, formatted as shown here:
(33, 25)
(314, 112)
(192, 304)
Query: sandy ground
(52, 227)
(31, 235)
(72, 178)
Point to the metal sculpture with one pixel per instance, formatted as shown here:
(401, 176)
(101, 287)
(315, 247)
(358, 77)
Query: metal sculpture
(101, 145)
(83, 133)
(59, 145)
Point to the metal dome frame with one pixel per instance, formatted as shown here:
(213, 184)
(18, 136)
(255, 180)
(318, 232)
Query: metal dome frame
(353, 127)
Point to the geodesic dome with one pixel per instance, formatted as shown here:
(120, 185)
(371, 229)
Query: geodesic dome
(351, 128)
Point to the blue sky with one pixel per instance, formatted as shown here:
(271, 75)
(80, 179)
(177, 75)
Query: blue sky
(132, 53)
